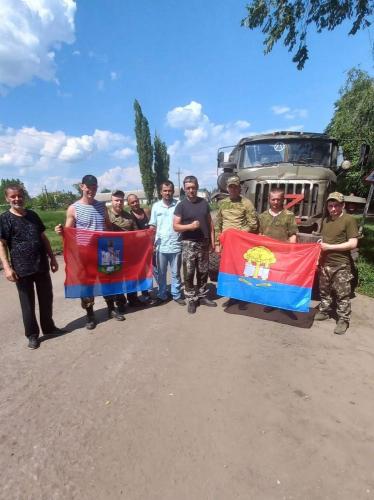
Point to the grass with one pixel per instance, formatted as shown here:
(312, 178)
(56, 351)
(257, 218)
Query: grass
(50, 220)
(366, 261)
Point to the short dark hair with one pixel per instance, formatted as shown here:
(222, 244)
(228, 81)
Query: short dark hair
(167, 184)
(191, 178)
(89, 180)
(276, 190)
(118, 193)
(15, 187)
(131, 194)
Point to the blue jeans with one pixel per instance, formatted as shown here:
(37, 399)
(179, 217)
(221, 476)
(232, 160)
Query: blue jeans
(174, 259)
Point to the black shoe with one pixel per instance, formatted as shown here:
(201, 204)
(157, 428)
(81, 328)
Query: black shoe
(55, 332)
(180, 301)
(207, 302)
(34, 343)
(136, 303)
(230, 302)
(119, 316)
(90, 320)
(157, 301)
(191, 307)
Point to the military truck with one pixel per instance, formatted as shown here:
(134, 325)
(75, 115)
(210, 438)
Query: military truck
(304, 164)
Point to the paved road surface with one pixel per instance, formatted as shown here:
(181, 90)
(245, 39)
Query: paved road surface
(169, 406)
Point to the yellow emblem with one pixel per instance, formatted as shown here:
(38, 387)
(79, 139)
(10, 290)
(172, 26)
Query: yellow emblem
(258, 262)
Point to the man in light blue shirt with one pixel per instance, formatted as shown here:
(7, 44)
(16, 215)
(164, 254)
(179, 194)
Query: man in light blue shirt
(168, 245)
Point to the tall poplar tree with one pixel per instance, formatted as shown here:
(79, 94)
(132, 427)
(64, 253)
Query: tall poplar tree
(162, 162)
(145, 152)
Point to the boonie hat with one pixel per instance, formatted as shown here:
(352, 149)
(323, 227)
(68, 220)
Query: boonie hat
(233, 180)
(89, 180)
(118, 192)
(336, 196)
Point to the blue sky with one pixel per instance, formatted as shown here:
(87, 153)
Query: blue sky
(70, 71)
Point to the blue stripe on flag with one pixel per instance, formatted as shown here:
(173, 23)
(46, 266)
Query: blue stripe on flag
(267, 293)
(103, 289)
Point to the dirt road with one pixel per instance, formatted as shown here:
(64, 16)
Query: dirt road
(171, 406)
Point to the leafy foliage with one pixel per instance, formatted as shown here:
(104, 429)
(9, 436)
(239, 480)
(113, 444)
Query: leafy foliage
(291, 19)
(145, 151)
(352, 125)
(53, 200)
(161, 163)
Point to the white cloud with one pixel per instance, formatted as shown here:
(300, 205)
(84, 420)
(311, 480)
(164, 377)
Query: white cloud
(188, 116)
(123, 153)
(121, 178)
(197, 152)
(289, 113)
(31, 148)
(30, 33)
(113, 75)
(76, 53)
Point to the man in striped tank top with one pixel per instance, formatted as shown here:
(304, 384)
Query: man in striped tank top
(90, 214)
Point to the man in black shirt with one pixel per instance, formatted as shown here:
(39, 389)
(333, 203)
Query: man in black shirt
(22, 235)
(192, 219)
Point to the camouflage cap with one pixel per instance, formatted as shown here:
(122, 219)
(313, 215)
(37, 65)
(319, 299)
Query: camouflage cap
(233, 180)
(336, 196)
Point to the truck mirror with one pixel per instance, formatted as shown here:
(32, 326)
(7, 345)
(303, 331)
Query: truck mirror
(364, 154)
(346, 165)
(220, 158)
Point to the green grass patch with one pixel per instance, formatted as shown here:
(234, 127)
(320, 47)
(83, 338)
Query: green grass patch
(50, 220)
(366, 261)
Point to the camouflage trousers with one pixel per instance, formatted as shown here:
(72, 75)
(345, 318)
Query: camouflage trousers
(120, 300)
(335, 282)
(195, 256)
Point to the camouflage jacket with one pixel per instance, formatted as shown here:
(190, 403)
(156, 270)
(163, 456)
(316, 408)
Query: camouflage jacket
(279, 227)
(236, 214)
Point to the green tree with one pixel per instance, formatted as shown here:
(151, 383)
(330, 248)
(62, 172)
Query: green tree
(353, 125)
(145, 152)
(162, 162)
(4, 183)
(291, 20)
(105, 190)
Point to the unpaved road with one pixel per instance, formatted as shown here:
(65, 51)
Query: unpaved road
(170, 406)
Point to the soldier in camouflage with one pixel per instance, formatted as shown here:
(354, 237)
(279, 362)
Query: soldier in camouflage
(339, 237)
(277, 222)
(234, 212)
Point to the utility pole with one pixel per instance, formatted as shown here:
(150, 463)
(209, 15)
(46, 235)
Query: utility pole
(178, 172)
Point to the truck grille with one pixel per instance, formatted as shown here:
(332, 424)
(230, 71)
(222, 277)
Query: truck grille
(306, 208)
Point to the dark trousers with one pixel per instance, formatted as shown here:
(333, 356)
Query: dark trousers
(26, 292)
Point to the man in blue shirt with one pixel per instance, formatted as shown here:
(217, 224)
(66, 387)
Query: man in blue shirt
(168, 245)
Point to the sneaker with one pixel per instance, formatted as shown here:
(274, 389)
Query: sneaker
(191, 307)
(33, 343)
(113, 313)
(341, 327)
(207, 302)
(180, 301)
(321, 316)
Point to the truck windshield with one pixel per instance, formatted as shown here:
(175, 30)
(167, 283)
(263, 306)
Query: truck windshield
(316, 153)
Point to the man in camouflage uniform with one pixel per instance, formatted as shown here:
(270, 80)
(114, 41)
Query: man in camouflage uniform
(339, 237)
(192, 218)
(277, 222)
(234, 212)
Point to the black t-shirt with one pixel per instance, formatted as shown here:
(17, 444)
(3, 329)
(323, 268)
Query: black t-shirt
(140, 223)
(190, 211)
(22, 235)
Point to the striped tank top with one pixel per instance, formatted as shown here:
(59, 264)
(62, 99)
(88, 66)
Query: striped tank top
(89, 217)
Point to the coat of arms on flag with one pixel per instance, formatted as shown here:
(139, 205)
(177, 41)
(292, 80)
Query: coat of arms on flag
(110, 254)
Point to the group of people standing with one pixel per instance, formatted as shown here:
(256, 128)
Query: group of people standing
(184, 236)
